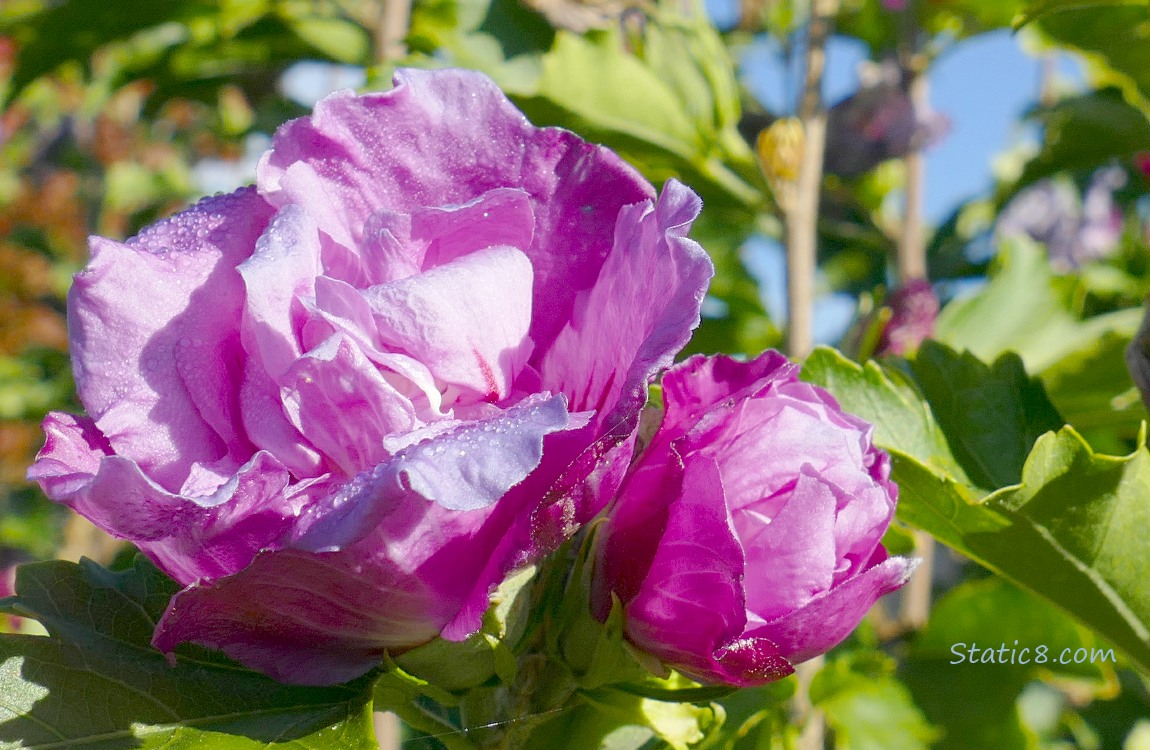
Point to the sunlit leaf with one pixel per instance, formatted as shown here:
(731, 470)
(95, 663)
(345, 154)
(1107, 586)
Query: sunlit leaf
(1020, 310)
(1071, 530)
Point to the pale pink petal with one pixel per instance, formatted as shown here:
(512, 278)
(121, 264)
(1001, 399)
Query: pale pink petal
(268, 427)
(190, 538)
(443, 138)
(498, 218)
(164, 307)
(335, 395)
(639, 313)
(826, 620)
(790, 557)
(466, 320)
(282, 269)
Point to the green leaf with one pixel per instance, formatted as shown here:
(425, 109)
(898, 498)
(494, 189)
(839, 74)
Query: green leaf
(96, 682)
(1114, 39)
(992, 613)
(462, 665)
(948, 510)
(888, 400)
(340, 40)
(1076, 536)
(679, 725)
(1081, 362)
(1036, 9)
(1001, 620)
(1084, 132)
(72, 31)
(585, 726)
(599, 82)
(867, 707)
(1092, 388)
(1070, 531)
(759, 718)
(990, 415)
(666, 100)
(1021, 310)
(949, 21)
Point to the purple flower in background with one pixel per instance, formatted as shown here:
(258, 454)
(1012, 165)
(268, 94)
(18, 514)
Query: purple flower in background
(914, 308)
(1074, 232)
(1142, 163)
(339, 406)
(746, 538)
(878, 122)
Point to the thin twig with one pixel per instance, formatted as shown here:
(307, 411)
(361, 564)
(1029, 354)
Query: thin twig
(916, 597)
(1048, 80)
(912, 243)
(812, 735)
(387, 730)
(83, 539)
(391, 30)
(802, 219)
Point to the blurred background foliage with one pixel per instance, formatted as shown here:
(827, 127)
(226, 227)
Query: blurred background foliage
(117, 113)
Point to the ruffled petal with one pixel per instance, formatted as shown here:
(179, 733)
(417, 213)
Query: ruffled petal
(341, 309)
(640, 312)
(189, 537)
(792, 433)
(153, 325)
(467, 468)
(282, 269)
(304, 618)
(73, 448)
(336, 396)
(498, 218)
(444, 138)
(826, 620)
(692, 387)
(268, 427)
(466, 320)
